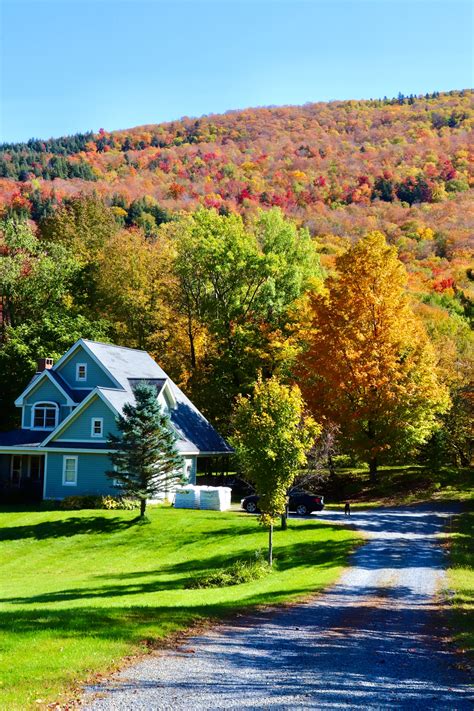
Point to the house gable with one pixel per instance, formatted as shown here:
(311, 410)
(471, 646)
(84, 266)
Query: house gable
(43, 390)
(95, 374)
(79, 427)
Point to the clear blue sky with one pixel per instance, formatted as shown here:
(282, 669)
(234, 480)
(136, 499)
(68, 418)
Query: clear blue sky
(74, 65)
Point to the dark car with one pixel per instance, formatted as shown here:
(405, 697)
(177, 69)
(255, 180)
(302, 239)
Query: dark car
(299, 501)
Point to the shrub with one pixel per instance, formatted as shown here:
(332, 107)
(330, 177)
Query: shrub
(242, 571)
(125, 503)
(74, 503)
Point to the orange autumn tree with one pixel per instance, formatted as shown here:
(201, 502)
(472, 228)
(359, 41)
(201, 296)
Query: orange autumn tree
(370, 367)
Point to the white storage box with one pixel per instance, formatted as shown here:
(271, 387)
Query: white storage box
(187, 497)
(215, 498)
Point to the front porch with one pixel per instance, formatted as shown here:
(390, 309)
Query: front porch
(21, 477)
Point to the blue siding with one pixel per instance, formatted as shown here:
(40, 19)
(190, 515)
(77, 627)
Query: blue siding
(46, 391)
(91, 476)
(80, 427)
(95, 375)
(64, 411)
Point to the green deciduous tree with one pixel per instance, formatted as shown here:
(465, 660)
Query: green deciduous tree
(242, 285)
(272, 437)
(49, 335)
(83, 223)
(34, 275)
(146, 461)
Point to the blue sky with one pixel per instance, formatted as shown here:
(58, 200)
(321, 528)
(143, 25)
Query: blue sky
(74, 65)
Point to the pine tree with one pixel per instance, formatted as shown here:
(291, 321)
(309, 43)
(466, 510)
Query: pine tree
(145, 457)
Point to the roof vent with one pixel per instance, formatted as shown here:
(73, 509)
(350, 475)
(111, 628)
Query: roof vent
(44, 364)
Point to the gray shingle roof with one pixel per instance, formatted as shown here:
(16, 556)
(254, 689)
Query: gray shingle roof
(130, 366)
(124, 363)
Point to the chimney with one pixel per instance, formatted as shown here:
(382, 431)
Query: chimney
(44, 364)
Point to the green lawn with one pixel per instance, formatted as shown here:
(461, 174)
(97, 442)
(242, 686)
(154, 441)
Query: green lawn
(461, 582)
(80, 590)
(399, 486)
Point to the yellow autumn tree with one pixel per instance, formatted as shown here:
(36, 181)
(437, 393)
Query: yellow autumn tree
(134, 284)
(370, 367)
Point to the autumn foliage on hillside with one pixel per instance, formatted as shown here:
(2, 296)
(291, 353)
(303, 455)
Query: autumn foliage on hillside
(201, 240)
(404, 166)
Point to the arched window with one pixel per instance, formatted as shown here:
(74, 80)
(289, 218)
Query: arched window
(45, 416)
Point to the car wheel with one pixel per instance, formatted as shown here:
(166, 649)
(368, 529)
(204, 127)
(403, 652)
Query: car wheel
(301, 510)
(250, 506)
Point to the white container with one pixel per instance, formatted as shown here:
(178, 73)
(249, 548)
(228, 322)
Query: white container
(187, 497)
(215, 498)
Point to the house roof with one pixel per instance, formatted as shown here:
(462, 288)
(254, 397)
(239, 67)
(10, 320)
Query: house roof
(129, 367)
(21, 438)
(63, 444)
(158, 383)
(124, 363)
(75, 395)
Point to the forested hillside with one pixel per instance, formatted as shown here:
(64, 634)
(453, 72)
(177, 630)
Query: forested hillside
(404, 166)
(101, 237)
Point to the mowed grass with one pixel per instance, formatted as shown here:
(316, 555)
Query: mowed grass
(461, 582)
(400, 486)
(80, 590)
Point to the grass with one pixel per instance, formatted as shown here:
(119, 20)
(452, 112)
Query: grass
(400, 486)
(461, 582)
(81, 590)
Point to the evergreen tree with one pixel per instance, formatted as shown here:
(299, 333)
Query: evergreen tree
(145, 457)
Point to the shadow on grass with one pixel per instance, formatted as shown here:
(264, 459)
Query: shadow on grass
(68, 527)
(179, 575)
(74, 525)
(296, 648)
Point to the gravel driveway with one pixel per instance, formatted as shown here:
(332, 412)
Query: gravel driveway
(373, 641)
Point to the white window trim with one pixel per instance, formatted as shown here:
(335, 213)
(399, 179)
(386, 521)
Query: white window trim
(95, 434)
(12, 468)
(65, 458)
(78, 378)
(44, 403)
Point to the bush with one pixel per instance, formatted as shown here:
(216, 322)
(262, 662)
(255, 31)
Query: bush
(242, 571)
(74, 503)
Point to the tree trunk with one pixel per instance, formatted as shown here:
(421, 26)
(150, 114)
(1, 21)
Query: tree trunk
(142, 507)
(373, 460)
(192, 350)
(284, 519)
(373, 470)
(270, 545)
(331, 467)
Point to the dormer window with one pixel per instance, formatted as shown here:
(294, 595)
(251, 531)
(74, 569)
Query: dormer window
(45, 416)
(97, 427)
(81, 372)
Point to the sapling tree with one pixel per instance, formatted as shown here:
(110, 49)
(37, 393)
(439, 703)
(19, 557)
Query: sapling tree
(272, 436)
(146, 461)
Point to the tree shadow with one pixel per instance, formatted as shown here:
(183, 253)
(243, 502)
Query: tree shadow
(179, 575)
(68, 527)
(331, 647)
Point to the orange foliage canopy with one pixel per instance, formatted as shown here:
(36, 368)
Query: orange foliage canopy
(370, 367)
